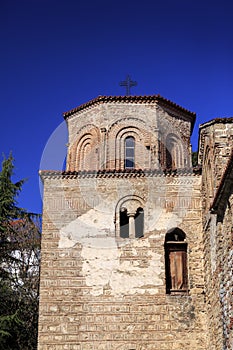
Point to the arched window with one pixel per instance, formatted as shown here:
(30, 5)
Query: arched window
(176, 262)
(84, 151)
(124, 223)
(129, 152)
(168, 159)
(175, 155)
(131, 223)
(129, 217)
(139, 223)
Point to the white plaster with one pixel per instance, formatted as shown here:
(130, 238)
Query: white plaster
(161, 220)
(104, 269)
(89, 229)
(98, 266)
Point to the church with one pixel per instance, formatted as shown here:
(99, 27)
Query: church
(137, 243)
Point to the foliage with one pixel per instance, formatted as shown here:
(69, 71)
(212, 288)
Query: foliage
(19, 266)
(8, 326)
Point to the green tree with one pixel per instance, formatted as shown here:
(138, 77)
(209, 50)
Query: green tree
(19, 266)
(8, 205)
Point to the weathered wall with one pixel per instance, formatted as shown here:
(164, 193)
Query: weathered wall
(226, 275)
(215, 145)
(212, 267)
(102, 292)
(215, 151)
(218, 263)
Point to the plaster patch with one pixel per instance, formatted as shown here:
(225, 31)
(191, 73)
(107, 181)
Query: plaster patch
(98, 265)
(103, 267)
(164, 221)
(91, 228)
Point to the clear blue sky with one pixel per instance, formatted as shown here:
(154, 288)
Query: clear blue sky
(58, 54)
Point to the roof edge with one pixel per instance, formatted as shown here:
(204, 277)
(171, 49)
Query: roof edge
(224, 120)
(131, 99)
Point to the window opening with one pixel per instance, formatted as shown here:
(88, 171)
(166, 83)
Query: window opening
(176, 262)
(129, 152)
(139, 223)
(168, 159)
(124, 223)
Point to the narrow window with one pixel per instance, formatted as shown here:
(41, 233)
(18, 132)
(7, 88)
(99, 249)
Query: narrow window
(139, 223)
(168, 159)
(176, 262)
(124, 223)
(129, 152)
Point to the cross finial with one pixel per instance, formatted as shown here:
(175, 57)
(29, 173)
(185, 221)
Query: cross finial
(128, 83)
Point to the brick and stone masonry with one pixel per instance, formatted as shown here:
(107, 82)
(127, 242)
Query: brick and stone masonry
(126, 259)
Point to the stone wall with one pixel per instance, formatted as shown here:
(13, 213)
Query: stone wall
(226, 275)
(218, 265)
(100, 289)
(217, 186)
(102, 292)
(215, 145)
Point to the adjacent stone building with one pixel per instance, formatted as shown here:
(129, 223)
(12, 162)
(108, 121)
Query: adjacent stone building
(136, 243)
(216, 157)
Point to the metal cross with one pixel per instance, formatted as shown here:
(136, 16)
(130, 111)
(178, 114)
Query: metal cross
(128, 83)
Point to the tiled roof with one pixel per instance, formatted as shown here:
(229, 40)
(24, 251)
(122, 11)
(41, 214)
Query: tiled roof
(132, 99)
(216, 121)
(201, 137)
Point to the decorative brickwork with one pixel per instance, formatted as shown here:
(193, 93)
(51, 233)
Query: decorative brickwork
(143, 286)
(98, 134)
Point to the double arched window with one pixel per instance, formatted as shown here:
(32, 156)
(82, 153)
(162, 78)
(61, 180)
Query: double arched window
(129, 159)
(176, 262)
(129, 217)
(131, 224)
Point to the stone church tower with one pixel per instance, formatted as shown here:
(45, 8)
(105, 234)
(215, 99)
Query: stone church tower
(126, 240)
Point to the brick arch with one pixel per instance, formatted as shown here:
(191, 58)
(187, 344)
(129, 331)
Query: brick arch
(173, 232)
(133, 199)
(84, 153)
(120, 146)
(117, 125)
(116, 136)
(174, 150)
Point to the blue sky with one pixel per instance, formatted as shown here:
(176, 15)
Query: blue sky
(57, 54)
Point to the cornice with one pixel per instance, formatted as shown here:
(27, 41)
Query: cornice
(55, 174)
